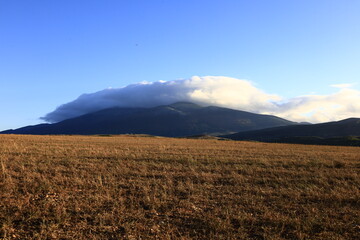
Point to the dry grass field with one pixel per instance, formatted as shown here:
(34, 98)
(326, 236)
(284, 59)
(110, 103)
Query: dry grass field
(131, 187)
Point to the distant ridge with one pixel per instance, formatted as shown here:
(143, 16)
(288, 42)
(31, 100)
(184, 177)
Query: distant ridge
(175, 120)
(342, 132)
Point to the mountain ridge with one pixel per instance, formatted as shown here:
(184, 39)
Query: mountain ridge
(174, 120)
(341, 132)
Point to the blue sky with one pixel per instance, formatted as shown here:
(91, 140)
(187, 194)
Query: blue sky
(53, 51)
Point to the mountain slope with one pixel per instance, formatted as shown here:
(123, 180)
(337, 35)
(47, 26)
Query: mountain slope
(330, 132)
(179, 119)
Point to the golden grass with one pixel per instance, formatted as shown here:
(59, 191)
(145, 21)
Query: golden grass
(128, 187)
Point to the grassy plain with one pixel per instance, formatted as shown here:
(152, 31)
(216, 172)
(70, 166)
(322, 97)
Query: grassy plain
(128, 187)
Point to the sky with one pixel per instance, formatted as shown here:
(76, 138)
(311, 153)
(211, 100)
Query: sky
(297, 56)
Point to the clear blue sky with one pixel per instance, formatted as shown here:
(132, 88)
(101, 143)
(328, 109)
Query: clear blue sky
(53, 51)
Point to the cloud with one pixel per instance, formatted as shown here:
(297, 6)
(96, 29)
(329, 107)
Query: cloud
(343, 85)
(217, 91)
(322, 108)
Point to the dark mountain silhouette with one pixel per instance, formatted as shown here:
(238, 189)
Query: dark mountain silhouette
(179, 119)
(332, 133)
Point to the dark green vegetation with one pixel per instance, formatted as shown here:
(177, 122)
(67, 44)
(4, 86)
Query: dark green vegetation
(128, 187)
(334, 141)
(341, 133)
(179, 119)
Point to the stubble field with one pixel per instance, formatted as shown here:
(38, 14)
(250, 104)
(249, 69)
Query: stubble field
(132, 187)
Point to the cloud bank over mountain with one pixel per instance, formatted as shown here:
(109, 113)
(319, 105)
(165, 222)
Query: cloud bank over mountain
(216, 91)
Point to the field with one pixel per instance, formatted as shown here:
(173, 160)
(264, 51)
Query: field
(133, 187)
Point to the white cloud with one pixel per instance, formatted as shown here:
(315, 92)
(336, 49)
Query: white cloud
(342, 85)
(322, 108)
(217, 91)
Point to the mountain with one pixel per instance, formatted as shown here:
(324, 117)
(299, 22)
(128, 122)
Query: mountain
(178, 119)
(342, 132)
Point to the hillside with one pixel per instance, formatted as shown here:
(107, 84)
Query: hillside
(332, 133)
(179, 119)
